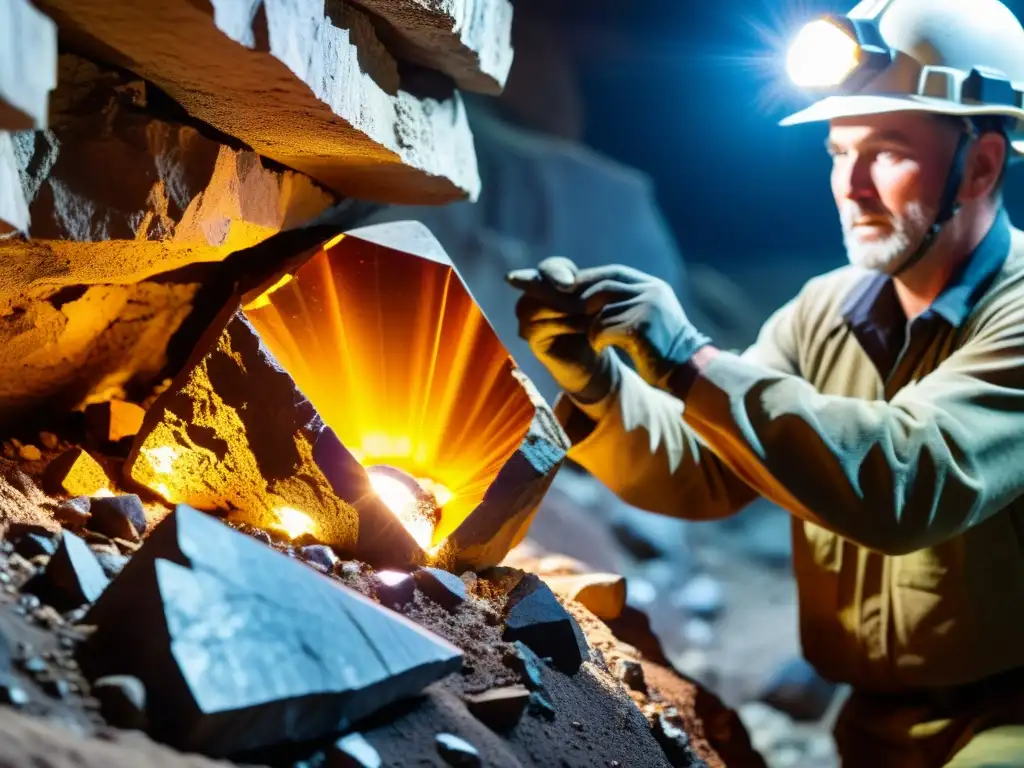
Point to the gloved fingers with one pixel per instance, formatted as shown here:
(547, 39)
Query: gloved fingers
(606, 292)
(536, 285)
(560, 271)
(530, 308)
(616, 325)
(618, 272)
(541, 330)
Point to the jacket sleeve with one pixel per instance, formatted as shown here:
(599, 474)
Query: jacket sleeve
(644, 452)
(942, 455)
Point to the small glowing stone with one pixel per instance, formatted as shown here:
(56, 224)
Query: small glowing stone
(821, 56)
(401, 500)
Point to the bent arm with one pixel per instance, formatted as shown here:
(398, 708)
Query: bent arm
(944, 454)
(642, 449)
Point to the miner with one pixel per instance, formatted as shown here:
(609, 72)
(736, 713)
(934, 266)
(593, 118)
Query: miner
(883, 406)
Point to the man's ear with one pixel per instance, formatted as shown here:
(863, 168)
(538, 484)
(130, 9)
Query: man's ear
(984, 165)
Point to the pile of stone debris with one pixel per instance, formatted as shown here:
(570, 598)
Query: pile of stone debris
(131, 634)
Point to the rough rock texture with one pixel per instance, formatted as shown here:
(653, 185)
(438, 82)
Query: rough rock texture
(120, 199)
(233, 432)
(470, 40)
(208, 619)
(28, 66)
(29, 741)
(311, 89)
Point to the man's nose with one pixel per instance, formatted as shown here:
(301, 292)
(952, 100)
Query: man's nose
(855, 180)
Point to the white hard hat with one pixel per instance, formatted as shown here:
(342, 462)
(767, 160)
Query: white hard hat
(954, 57)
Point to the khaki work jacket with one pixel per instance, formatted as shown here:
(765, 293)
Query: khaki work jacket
(908, 527)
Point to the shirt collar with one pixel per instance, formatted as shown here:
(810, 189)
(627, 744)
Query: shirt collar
(959, 296)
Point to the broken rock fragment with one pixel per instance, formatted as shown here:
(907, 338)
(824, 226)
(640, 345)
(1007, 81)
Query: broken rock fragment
(113, 420)
(75, 473)
(603, 594)
(444, 588)
(534, 616)
(72, 578)
(240, 647)
(470, 40)
(118, 517)
(457, 752)
(499, 708)
(352, 751)
(122, 701)
(329, 96)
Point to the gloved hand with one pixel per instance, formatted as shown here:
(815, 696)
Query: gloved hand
(553, 320)
(640, 315)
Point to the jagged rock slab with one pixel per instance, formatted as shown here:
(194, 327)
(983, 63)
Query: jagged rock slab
(233, 432)
(311, 89)
(535, 617)
(73, 576)
(28, 65)
(240, 647)
(470, 40)
(120, 197)
(445, 589)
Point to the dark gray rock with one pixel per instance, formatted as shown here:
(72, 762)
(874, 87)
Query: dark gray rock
(394, 589)
(72, 578)
(118, 517)
(352, 751)
(444, 588)
(499, 708)
(668, 731)
(122, 701)
(241, 647)
(32, 544)
(457, 752)
(319, 555)
(534, 616)
(73, 514)
(6, 653)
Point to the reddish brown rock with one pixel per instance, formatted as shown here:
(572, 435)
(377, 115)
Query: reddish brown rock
(326, 92)
(603, 594)
(470, 40)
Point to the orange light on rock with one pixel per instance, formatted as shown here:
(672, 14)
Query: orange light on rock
(368, 362)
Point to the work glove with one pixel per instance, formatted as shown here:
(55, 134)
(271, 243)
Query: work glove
(639, 314)
(553, 320)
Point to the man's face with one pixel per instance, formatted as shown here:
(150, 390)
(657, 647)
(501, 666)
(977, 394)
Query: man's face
(888, 172)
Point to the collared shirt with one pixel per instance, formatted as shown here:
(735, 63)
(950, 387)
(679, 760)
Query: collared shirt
(904, 479)
(876, 318)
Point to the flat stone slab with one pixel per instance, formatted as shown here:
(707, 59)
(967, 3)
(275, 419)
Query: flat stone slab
(240, 647)
(328, 96)
(470, 40)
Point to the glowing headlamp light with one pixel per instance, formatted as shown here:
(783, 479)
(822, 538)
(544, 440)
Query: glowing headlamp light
(837, 53)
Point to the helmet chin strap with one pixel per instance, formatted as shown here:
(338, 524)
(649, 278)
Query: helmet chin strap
(949, 206)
